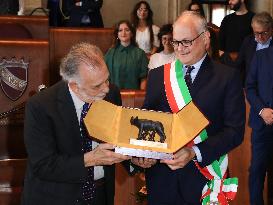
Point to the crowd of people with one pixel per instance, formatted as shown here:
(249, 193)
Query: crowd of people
(176, 63)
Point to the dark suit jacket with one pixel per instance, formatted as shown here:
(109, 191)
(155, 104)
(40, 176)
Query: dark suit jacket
(55, 170)
(10, 7)
(89, 7)
(217, 92)
(259, 86)
(246, 54)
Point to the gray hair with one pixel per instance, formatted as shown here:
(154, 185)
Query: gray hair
(81, 53)
(264, 19)
(200, 22)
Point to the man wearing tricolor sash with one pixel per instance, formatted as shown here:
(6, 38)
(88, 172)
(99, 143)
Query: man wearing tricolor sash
(198, 172)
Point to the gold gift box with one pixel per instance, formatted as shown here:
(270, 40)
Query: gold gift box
(110, 123)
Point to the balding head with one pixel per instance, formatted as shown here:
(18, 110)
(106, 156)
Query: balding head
(86, 72)
(82, 53)
(192, 17)
(190, 29)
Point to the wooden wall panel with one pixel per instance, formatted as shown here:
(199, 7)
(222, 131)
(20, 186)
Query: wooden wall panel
(62, 39)
(239, 160)
(37, 25)
(36, 53)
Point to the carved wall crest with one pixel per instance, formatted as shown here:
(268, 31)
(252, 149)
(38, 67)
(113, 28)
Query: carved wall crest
(13, 77)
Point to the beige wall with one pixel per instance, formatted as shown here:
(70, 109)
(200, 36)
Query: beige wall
(267, 5)
(115, 10)
(165, 11)
(29, 5)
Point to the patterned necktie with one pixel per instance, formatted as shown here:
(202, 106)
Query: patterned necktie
(88, 189)
(188, 75)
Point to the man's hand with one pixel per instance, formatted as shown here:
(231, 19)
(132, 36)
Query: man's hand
(221, 53)
(103, 155)
(180, 159)
(143, 162)
(267, 115)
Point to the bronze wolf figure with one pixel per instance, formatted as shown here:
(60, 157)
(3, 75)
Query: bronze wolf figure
(148, 128)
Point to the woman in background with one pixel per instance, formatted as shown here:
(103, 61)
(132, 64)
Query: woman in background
(196, 6)
(165, 53)
(146, 31)
(126, 62)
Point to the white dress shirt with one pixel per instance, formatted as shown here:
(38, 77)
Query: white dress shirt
(78, 104)
(194, 73)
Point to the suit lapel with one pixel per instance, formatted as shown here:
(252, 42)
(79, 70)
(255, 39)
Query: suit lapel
(252, 50)
(68, 114)
(271, 42)
(269, 52)
(203, 77)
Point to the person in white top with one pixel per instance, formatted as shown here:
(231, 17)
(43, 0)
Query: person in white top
(146, 31)
(165, 53)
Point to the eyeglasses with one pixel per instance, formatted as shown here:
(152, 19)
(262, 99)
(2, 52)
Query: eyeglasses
(185, 43)
(264, 33)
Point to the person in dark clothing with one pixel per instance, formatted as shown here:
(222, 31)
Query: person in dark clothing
(260, 97)
(234, 28)
(9, 7)
(55, 16)
(82, 13)
(262, 25)
(196, 6)
(65, 165)
(216, 90)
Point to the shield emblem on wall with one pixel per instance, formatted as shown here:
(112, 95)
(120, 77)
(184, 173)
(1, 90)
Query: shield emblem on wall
(13, 77)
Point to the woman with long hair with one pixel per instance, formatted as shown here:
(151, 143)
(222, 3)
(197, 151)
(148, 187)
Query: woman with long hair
(146, 31)
(165, 53)
(196, 6)
(126, 62)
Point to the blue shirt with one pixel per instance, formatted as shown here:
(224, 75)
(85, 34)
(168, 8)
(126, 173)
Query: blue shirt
(196, 68)
(263, 45)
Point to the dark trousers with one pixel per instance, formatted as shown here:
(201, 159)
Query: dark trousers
(261, 157)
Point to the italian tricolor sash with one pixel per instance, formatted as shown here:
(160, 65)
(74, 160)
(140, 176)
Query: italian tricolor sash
(218, 188)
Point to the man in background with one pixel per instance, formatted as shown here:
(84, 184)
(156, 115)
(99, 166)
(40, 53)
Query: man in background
(82, 13)
(9, 7)
(262, 25)
(55, 16)
(234, 28)
(259, 94)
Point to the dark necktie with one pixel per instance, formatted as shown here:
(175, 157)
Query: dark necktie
(188, 75)
(88, 189)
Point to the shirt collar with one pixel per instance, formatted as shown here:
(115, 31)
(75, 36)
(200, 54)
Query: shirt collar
(78, 103)
(199, 63)
(264, 44)
(123, 48)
